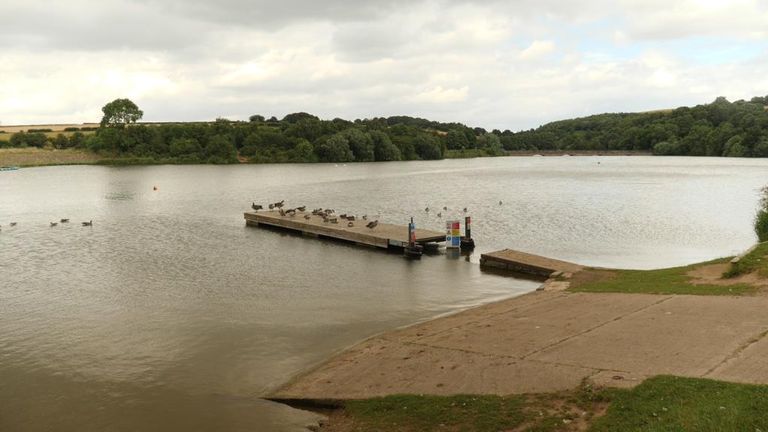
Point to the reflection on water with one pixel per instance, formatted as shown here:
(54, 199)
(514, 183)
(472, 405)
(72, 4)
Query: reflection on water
(169, 313)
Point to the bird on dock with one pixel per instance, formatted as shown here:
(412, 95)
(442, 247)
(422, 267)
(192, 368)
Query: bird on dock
(271, 206)
(301, 209)
(343, 216)
(372, 224)
(280, 204)
(351, 217)
(64, 221)
(291, 212)
(334, 220)
(365, 217)
(89, 223)
(53, 224)
(256, 207)
(350, 224)
(307, 217)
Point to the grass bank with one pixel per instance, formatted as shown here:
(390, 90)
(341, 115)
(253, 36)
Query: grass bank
(699, 279)
(754, 261)
(663, 403)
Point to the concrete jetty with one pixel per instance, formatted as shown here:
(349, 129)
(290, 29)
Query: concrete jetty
(382, 236)
(523, 262)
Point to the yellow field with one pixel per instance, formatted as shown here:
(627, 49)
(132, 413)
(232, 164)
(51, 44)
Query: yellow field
(31, 156)
(11, 129)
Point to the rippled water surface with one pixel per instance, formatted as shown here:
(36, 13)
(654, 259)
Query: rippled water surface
(170, 314)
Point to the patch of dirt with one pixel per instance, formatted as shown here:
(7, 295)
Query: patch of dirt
(591, 275)
(712, 274)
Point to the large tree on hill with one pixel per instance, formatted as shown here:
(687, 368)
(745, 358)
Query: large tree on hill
(120, 112)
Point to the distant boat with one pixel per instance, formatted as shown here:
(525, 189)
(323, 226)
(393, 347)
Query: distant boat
(9, 168)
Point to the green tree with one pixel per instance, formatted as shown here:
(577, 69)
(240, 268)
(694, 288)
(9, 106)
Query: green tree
(383, 148)
(120, 112)
(428, 146)
(335, 149)
(360, 143)
(61, 141)
(456, 140)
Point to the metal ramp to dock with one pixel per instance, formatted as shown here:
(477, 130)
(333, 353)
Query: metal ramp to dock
(382, 236)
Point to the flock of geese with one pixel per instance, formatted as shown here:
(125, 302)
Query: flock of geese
(328, 215)
(53, 224)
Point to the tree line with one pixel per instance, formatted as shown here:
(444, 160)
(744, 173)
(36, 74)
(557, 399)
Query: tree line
(721, 128)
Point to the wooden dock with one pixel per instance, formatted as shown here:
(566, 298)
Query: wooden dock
(382, 236)
(522, 262)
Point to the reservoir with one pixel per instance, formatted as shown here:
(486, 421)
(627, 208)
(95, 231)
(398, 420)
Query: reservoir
(170, 314)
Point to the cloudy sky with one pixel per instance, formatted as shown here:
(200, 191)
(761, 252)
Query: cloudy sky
(511, 64)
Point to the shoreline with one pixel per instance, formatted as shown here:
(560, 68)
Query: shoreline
(545, 341)
(29, 157)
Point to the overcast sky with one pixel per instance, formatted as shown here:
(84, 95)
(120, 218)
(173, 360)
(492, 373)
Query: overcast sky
(497, 64)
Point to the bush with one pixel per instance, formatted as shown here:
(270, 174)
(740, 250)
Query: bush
(71, 129)
(39, 130)
(761, 220)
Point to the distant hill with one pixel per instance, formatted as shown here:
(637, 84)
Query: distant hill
(720, 128)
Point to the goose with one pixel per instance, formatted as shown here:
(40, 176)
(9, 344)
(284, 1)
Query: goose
(301, 209)
(307, 217)
(89, 223)
(343, 216)
(351, 217)
(350, 224)
(500, 203)
(154, 188)
(291, 212)
(64, 221)
(271, 206)
(440, 214)
(280, 204)
(13, 224)
(365, 217)
(334, 220)
(426, 209)
(465, 209)
(256, 207)
(372, 224)
(445, 208)
(53, 224)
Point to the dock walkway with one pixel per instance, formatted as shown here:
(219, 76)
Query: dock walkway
(382, 236)
(523, 262)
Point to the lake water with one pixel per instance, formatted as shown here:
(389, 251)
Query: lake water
(170, 314)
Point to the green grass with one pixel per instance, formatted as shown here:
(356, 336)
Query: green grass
(660, 404)
(433, 413)
(668, 403)
(663, 281)
(751, 262)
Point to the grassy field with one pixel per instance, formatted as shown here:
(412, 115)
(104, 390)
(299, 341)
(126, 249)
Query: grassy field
(31, 156)
(662, 403)
(754, 261)
(676, 280)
